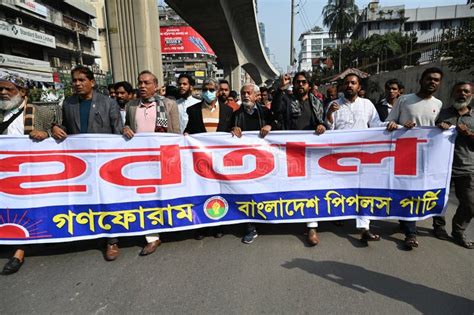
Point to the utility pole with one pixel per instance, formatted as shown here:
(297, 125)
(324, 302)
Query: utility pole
(292, 57)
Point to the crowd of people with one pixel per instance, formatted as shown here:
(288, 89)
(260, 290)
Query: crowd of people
(293, 104)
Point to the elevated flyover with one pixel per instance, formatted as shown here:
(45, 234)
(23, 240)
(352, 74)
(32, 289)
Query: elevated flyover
(231, 29)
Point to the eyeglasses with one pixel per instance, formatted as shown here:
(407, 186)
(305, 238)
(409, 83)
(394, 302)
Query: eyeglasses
(301, 81)
(210, 90)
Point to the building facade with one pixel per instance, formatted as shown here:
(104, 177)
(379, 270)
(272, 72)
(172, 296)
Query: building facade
(314, 44)
(428, 23)
(44, 39)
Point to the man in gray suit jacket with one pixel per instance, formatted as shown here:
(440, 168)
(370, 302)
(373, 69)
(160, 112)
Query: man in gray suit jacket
(89, 112)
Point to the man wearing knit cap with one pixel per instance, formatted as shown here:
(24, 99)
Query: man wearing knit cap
(18, 118)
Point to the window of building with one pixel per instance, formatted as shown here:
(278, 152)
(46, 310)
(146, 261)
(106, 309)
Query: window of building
(446, 24)
(465, 23)
(408, 27)
(374, 26)
(425, 26)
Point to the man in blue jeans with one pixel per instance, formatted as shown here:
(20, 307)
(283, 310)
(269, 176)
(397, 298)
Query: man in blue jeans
(418, 109)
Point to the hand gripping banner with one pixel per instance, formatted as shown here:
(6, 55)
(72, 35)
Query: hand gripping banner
(92, 186)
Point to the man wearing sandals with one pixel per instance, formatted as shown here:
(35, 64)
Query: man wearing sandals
(461, 115)
(354, 112)
(419, 109)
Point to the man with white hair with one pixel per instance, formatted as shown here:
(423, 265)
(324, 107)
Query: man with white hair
(17, 118)
(461, 115)
(251, 116)
(209, 115)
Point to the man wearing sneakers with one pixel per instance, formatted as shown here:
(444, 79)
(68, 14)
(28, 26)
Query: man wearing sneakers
(251, 116)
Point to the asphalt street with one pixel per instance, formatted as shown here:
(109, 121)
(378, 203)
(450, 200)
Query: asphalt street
(277, 274)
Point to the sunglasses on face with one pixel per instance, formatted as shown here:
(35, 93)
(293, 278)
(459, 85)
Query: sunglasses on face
(301, 81)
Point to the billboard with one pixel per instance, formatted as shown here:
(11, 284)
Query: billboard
(183, 40)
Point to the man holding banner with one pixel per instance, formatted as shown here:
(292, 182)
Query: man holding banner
(19, 118)
(150, 113)
(89, 112)
(300, 111)
(354, 112)
(461, 115)
(419, 109)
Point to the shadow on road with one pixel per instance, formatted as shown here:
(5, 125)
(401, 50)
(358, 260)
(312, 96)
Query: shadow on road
(424, 299)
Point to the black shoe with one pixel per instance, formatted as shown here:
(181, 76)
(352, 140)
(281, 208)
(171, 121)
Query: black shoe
(199, 235)
(440, 233)
(12, 266)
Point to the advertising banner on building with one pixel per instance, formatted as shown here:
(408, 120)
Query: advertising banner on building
(183, 40)
(26, 34)
(24, 63)
(91, 186)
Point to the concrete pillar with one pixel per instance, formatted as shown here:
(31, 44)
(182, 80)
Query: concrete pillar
(233, 75)
(134, 33)
(236, 79)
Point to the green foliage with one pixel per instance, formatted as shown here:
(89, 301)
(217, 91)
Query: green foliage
(366, 53)
(340, 17)
(458, 44)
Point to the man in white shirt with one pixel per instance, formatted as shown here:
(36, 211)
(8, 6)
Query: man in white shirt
(186, 99)
(354, 112)
(419, 109)
(18, 118)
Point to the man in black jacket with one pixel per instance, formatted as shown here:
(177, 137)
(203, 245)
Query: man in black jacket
(251, 116)
(299, 111)
(209, 115)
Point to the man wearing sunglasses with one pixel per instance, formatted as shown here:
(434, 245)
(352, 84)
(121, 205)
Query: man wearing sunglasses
(299, 111)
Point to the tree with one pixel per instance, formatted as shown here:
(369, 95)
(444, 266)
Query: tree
(340, 17)
(401, 18)
(459, 45)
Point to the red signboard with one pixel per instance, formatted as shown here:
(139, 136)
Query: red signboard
(183, 40)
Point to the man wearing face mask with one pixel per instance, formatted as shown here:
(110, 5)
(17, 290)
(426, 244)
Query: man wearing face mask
(461, 115)
(300, 110)
(209, 115)
(123, 94)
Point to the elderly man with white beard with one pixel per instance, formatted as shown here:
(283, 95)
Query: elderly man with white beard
(461, 115)
(17, 118)
(251, 116)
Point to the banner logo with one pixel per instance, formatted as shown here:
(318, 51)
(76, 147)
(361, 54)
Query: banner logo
(216, 208)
